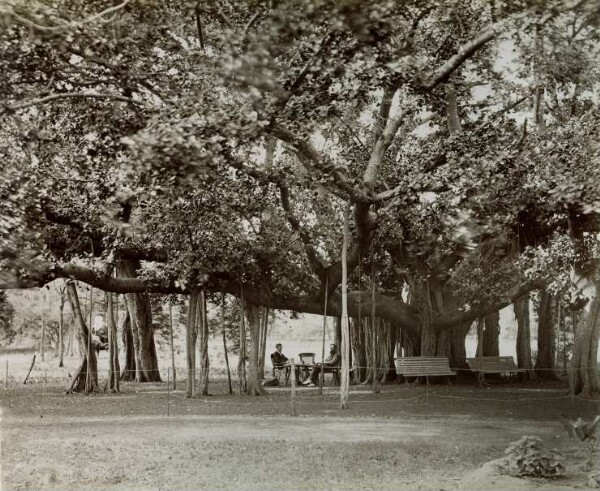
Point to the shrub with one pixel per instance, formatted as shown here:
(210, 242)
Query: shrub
(528, 457)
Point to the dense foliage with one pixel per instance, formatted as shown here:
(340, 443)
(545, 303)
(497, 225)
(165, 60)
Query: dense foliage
(218, 142)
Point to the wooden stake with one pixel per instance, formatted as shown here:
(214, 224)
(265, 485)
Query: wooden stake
(168, 383)
(42, 340)
(293, 411)
(6, 375)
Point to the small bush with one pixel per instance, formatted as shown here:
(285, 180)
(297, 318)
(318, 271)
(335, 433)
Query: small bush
(528, 457)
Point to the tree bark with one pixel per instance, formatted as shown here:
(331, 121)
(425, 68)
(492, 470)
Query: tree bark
(61, 324)
(492, 333)
(190, 346)
(345, 349)
(128, 373)
(264, 326)
(458, 350)
(242, 383)
(584, 365)
(113, 347)
(86, 378)
(140, 315)
(203, 347)
(225, 344)
(544, 363)
(254, 387)
(358, 350)
(524, 361)
(172, 346)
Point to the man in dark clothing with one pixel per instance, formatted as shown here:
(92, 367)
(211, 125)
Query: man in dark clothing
(332, 361)
(278, 359)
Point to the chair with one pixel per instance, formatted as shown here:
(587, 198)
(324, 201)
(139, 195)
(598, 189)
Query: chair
(307, 358)
(278, 370)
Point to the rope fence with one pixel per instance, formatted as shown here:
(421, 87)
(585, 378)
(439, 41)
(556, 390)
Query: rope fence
(423, 400)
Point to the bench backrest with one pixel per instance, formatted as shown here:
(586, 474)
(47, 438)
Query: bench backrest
(492, 363)
(423, 365)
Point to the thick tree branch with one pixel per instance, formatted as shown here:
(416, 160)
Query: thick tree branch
(464, 53)
(450, 319)
(315, 162)
(379, 146)
(313, 257)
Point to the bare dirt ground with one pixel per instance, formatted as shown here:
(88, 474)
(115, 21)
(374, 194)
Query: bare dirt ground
(402, 438)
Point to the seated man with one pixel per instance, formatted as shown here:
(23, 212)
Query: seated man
(279, 360)
(332, 361)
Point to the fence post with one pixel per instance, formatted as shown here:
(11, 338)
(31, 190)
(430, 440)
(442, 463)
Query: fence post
(6, 376)
(293, 396)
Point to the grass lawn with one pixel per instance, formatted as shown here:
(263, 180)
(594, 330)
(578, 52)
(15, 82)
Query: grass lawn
(403, 438)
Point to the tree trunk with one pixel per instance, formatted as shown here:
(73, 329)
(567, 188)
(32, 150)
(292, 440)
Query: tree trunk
(443, 345)
(225, 344)
(491, 334)
(172, 346)
(128, 373)
(458, 351)
(140, 315)
(203, 346)
(86, 378)
(72, 335)
(388, 348)
(345, 349)
(337, 325)
(113, 347)
(265, 311)
(544, 363)
(190, 346)
(358, 349)
(377, 361)
(584, 365)
(524, 363)
(254, 387)
(61, 323)
(242, 385)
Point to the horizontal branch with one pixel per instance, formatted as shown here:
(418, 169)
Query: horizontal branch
(449, 320)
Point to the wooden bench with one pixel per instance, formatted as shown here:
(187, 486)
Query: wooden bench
(423, 366)
(493, 364)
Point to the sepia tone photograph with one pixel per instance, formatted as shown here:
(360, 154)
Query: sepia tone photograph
(299, 244)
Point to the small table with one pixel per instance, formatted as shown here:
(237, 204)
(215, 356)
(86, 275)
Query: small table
(303, 371)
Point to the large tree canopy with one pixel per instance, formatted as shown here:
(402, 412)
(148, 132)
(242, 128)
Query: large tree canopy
(218, 143)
